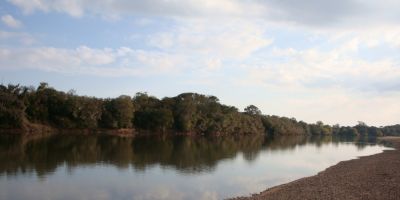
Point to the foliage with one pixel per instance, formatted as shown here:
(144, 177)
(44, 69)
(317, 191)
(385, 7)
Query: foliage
(12, 107)
(186, 113)
(391, 130)
(252, 110)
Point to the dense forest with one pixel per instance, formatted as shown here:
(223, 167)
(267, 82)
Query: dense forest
(187, 113)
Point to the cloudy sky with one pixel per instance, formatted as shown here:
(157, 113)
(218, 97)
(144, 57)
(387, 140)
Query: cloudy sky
(335, 61)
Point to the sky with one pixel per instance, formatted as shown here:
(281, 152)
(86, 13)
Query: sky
(334, 61)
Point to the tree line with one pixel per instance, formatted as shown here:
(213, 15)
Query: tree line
(188, 113)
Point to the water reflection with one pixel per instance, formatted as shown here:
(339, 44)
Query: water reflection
(19, 154)
(158, 167)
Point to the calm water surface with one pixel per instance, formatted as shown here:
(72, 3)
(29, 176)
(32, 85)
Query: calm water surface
(109, 167)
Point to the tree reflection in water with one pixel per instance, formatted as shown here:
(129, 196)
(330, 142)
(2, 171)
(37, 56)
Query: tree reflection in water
(191, 155)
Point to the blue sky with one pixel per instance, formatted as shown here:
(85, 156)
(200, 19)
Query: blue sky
(335, 61)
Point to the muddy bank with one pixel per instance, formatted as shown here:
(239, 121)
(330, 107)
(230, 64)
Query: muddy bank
(370, 177)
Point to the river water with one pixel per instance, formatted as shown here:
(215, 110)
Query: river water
(110, 167)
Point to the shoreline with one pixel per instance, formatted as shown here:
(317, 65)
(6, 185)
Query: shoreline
(36, 129)
(368, 177)
(39, 130)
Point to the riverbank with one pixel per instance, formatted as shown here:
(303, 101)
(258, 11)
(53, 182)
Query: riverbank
(370, 177)
(37, 130)
(43, 129)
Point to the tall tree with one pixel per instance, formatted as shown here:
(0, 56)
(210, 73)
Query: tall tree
(123, 111)
(252, 110)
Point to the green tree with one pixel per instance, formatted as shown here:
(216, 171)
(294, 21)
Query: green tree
(117, 113)
(12, 107)
(252, 110)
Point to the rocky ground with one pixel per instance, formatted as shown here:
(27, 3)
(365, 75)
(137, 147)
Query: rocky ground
(370, 177)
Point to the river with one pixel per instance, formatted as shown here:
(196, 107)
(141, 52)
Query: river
(110, 167)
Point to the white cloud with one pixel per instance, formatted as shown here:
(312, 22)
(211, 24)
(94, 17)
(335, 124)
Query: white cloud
(72, 7)
(208, 44)
(213, 63)
(336, 106)
(191, 45)
(18, 37)
(96, 56)
(7, 35)
(144, 21)
(84, 60)
(151, 7)
(310, 13)
(11, 21)
(313, 68)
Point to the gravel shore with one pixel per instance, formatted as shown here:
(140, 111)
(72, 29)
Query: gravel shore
(370, 177)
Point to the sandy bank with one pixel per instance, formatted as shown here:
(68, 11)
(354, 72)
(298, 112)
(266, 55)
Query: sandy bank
(370, 177)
